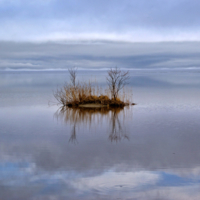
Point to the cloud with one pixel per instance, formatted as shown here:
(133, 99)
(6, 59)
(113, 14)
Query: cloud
(93, 20)
(23, 180)
(113, 179)
(98, 55)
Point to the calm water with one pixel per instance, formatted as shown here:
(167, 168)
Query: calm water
(147, 151)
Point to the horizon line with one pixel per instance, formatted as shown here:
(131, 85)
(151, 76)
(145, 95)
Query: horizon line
(96, 41)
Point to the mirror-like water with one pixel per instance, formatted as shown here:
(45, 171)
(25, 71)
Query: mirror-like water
(147, 151)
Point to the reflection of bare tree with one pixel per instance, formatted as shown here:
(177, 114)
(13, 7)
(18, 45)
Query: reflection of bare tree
(72, 138)
(65, 114)
(117, 132)
(89, 116)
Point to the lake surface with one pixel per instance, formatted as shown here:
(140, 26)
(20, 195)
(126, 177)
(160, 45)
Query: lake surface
(147, 151)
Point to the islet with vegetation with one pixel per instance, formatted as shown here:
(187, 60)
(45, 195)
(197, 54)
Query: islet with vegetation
(75, 94)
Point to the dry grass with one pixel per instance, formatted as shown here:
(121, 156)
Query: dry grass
(73, 96)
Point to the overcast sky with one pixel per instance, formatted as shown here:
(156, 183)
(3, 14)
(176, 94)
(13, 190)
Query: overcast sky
(116, 20)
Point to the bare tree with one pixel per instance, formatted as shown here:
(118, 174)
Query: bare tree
(73, 74)
(116, 80)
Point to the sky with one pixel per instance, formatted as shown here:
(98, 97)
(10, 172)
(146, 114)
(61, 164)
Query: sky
(99, 20)
(61, 56)
(59, 34)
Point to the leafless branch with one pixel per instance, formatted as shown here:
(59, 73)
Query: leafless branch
(73, 74)
(60, 96)
(116, 80)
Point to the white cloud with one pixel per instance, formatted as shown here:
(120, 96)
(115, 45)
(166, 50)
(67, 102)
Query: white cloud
(116, 179)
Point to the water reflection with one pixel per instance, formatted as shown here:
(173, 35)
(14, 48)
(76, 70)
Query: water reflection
(90, 116)
(117, 131)
(161, 162)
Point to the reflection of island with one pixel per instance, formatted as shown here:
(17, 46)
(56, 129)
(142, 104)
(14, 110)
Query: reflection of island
(89, 116)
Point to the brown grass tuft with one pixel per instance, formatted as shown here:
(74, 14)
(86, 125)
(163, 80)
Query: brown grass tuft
(75, 94)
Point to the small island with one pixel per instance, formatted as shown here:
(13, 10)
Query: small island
(75, 94)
